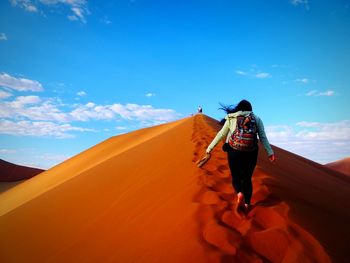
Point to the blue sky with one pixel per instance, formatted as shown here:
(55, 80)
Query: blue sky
(74, 73)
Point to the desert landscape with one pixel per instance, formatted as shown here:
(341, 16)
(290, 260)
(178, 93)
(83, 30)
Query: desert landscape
(139, 197)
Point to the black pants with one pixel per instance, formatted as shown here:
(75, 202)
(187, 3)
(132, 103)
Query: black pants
(242, 165)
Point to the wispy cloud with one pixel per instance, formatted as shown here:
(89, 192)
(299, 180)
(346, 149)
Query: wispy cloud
(4, 94)
(303, 3)
(316, 93)
(303, 80)
(241, 72)
(19, 84)
(150, 94)
(327, 93)
(7, 151)
(321, 142)
(253, 73)
(78, 14)
(78, 8)
(262, 75)
(119, 128)
(81, 93)
(3, 37)
(39, 129)
(106, 21)
(133, 112)
(27, 5)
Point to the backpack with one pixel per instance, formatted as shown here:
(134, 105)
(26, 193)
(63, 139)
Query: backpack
(244, 136)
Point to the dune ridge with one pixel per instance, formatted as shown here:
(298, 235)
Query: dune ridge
(342, 166)
(10, 172)
(139, 197)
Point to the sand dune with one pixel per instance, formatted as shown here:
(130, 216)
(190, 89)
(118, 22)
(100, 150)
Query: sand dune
(13, 174)
(10, 172)
(341, 166)
(139, 197)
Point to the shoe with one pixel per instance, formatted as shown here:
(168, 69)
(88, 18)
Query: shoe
(239, 199)
(246, 208)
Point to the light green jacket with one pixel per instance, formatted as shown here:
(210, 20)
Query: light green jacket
(230, 126)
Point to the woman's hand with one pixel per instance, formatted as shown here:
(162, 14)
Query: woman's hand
(202, 161)
(272, 158)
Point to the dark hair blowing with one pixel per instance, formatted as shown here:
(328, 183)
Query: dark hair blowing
(243, 105)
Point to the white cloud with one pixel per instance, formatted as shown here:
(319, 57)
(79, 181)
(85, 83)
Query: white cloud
(90, 111)
(4, 94)
(23, 114)
(37, 109)
(311, 93)
(23, 100)
(262, 75)
(3, 36)
(19, 84)
(32, 108)
(81, 93)
(106, 21)
(90, 105)
(27, 5)
(150, 94)
(7, 151)
(253, 73)
(144, 113)
(72, 18)
(121, 128)
(308, 124)
(78, 14)
(327, 93)
(240, 72)
(129, 111)
(304, 3)
(39, 129)
(320, 142)
(78, 7)
(303, 80)
(315, 93)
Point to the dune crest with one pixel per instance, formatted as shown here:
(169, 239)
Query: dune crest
(139, 197)
(342, 166)
(10, 172)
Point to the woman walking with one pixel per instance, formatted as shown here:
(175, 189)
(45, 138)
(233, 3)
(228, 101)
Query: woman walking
(241, 129)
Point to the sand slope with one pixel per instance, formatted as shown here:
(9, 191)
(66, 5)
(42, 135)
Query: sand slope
(139, 197)
(342, 166)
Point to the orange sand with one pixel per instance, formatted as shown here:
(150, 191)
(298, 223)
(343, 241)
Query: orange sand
(342, 166)
(139, 197)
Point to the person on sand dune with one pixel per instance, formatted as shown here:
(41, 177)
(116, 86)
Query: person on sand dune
(241, 129)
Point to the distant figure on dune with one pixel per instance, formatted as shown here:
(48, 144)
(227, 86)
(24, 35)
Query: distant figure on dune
(200, 109)
(241, 129)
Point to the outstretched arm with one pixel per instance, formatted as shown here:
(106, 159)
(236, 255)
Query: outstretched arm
(263, 139)
(219, 136)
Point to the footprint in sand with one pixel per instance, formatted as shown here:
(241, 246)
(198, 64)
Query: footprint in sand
(220, 237)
